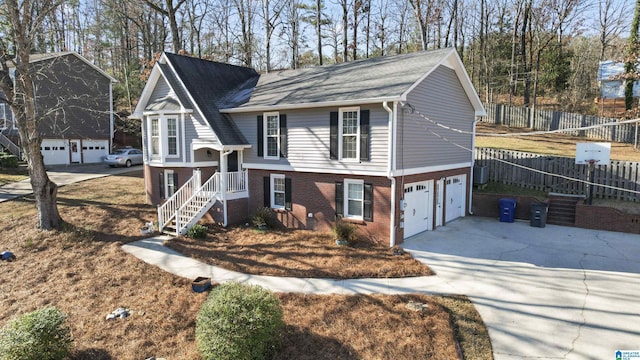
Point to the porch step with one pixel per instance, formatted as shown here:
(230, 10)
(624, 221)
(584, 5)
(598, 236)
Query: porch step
(562, 209)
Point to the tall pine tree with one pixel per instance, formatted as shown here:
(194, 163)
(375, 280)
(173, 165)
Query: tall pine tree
(632, 58)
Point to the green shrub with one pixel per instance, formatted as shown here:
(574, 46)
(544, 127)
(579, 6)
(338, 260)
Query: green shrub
(197, 231)
(263, 217)
(344, 230)
(8, 161)
(239, 322)
(38, 335)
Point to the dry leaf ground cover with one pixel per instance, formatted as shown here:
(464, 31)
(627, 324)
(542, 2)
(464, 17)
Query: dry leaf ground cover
(82, 270)
(297, 253)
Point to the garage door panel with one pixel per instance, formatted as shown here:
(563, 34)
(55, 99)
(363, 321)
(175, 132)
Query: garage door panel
(418, 210)
(55, 152)
(94, 150)
(455, 197)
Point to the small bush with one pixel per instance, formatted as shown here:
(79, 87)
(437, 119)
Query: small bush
(239, 322)
(263, 217)
(197, 231)
(8, 161)
(345, 231)
(38, 335)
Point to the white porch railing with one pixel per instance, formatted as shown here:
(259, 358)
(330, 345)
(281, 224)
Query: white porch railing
(192, 201)
(167, 211)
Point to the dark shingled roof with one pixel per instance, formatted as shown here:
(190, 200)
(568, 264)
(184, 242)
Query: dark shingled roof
(212, 86)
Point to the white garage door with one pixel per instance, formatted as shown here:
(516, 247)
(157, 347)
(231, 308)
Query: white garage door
(456, 196)
(55, 151)
(94, 150)
(418, 207)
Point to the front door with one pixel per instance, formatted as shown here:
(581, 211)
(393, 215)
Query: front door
(232, 162)
(74, 149)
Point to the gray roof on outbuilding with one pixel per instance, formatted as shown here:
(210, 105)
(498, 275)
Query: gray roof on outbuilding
(369, 79)
(212, 86)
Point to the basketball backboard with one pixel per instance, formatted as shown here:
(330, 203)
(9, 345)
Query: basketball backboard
(599, 153)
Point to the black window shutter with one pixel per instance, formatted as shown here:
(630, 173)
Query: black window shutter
(287, 194)
(339, 199)
(368, 202)
(333, 135)
(364, 135)
(260, 135)
(161, 184)
(266, 188)
(175, 182)
(283, 136)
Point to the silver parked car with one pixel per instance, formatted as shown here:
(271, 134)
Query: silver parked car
(124, 157)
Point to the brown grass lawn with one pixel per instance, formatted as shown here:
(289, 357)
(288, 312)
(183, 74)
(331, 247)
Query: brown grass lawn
(82, 270)
(297, 253)
(9, 175)
(558, 144)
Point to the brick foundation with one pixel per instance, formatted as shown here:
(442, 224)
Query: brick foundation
(184, 174)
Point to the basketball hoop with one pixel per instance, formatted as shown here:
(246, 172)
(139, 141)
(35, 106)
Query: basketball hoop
(592, 162)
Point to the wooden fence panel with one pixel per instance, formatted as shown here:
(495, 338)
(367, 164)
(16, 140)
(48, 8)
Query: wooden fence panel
(546, 120)
(536, 171)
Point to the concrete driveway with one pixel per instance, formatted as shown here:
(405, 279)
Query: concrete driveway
(545, 293)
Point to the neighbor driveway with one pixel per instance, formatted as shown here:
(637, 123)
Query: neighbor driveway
(545, 293)
(63, 175)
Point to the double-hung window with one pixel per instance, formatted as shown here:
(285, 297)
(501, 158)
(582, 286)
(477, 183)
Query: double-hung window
(277, 191)
(354, 199)
(155, 136)
(272, 135)
(172, 137)
(349, 126)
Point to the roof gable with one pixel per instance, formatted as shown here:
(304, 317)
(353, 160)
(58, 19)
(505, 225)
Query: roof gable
(211, 86)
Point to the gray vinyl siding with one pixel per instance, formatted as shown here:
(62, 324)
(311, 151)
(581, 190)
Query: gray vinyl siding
(308, 139)
(193, 127)
(440, 98)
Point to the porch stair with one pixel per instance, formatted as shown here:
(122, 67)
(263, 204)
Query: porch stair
(188, 205)
(10, 146)
(562, 209)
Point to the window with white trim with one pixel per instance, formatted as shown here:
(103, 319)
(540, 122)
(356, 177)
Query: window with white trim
(170, 185)
(155, 136)
(353, 199)
(277, 191)
(172, 137)
(272, 135)
(349, 136)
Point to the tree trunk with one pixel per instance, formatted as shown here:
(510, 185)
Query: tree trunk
(319, 29)
(632, 58)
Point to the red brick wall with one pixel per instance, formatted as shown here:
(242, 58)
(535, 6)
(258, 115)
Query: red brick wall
(605, 218)
(488, 205)
(314, 194)
(152, 183)
(237, 212)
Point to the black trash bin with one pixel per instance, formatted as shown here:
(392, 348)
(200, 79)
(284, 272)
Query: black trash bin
(507, 209)
(539, 214)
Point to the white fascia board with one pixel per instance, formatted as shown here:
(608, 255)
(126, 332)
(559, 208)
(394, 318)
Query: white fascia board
(278, 167)
(429, 169)
(340, 103)
(147, 91)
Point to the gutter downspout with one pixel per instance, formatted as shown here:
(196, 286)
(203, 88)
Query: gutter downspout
(390, 154)
(473, 163)
(224, 185)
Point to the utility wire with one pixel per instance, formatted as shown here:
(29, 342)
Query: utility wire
(511, 163)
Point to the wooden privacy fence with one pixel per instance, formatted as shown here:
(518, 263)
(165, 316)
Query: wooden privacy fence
(514, 168)
(546, 120)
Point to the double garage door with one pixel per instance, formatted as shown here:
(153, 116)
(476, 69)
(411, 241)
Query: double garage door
(426, 200)
(63, 151)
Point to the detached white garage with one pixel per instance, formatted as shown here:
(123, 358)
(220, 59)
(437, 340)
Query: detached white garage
(64, 151)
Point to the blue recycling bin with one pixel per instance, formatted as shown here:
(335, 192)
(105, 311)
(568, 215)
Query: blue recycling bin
(507, 209)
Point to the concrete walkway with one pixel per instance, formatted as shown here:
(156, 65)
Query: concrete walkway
(63, 175)
(544, 293)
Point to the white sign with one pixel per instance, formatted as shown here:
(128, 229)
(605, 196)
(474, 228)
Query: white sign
(599, 153)
(628, 355)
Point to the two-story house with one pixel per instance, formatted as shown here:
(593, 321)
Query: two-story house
(74, 105)
(386, 143)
